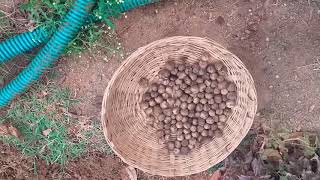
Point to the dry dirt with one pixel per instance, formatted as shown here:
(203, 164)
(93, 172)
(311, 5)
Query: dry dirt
(278, 40)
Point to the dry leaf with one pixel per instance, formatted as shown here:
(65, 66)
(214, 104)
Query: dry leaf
(216, 175)
(4, 130)
(271, 154)
(46, 132)
(13, 131)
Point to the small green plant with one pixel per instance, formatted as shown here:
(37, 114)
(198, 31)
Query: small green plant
(40, 117)
(49, 13)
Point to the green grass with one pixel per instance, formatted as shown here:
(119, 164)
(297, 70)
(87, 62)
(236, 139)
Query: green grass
(49, 13)
(46, 107)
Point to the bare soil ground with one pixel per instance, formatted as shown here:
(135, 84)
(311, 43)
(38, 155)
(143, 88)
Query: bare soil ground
(278, 40)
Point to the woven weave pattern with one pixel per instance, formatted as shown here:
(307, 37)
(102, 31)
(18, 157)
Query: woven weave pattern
(125, 123)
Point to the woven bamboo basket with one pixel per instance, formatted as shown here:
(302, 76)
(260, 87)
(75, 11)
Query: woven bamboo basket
(125, 123)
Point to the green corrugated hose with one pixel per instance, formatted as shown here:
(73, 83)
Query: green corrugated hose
(71, 25)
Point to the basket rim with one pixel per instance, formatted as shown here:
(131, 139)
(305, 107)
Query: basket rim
(112, 81)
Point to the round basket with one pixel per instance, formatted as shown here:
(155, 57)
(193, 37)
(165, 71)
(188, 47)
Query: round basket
(125, 123)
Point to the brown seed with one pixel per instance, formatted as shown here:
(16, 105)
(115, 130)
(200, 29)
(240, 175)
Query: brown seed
(209, 90)
(214, 84)
(193, 128)
(179, 124)
(188, 69)
(178, 81)
(224, 91)
(161, 89)
(206, 107)
(199, 80)
(181, 67)
(216, 91)
(179, 132)
(227, 112)
(158, 99)
(231, 95)
(218, 133)
(195, 134)
(187, 90)
(152, 103)
(180, 137)
(200, 96)
(202, 88)
(170, 145)
(218, 99)
(195, 68)
(206, 126)
(184, 119)
(215, 106)
(173, 129)
(160, 125)
(207, 83)
(189, 100)
(195, 122)
(157, 110)
(201, 72)
(218, 66)
(191, 106)
(165, 82)
(175, 110)
(192, 141)
(167, 137)
(184, 150)
(196, 100)
(144, 105)
(154, 94)
(160, 133)
(219, 111)
(184, 97)
(161, 140)
(203, 101)
(167, 119)
(197, 114)
(201, 122)
(146, 96)
(194, 89)
(208, 95)
(231, 87)
(179, 117)
(199, 107)
(204, 133)
(222, 72)
(181, 75)
(224, 98)
(209, 120)
(167, 112)
(192, 76)
(165, 95)
(221, 125)
(214, 127)
(184, 142)
(214, 76)
(212, 113)
(222, 118)
(186, 125)
(215, 119)
(187, 80)
(177, 144)
(211, 68)
(191, 114)
(230, 103)
(220, 79)
(183, 86)
(222, 105)
(183, 105)
(200, 129)
(184, 112)
(174, 71)
(161, 117)
(176, 151)
(177, 103)
(204, 115)
(169, 65)
(190, 146)
(200, 138)
(173, 121)
(167, 127)
(148, 110)
(222, 85)
(164, 73)
(211, 101)
(187, 136)
(186, 131)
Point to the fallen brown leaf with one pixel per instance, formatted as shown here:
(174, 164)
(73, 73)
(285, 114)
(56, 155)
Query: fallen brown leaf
(13, 131)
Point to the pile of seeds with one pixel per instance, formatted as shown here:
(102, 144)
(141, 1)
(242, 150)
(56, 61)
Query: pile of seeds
(189, 104)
